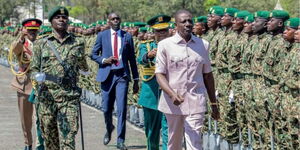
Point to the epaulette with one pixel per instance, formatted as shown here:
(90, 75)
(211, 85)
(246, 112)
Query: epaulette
(43, 36)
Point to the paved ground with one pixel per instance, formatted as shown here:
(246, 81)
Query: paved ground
(93, 123)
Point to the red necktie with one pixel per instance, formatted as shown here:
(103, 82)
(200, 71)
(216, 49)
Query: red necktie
(116, 47)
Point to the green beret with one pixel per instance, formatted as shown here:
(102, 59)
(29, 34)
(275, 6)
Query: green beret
(57, 10)
(172, 25)
(149, 29)
(242, 14)
(159, 21)
(138, 24)
(293, 23)
(249, 18)
(202, 19)
(230, 11)
(214, 7)
(218, 11)
(125, 24)
(262, 14)
(280, 14)
(143, 29)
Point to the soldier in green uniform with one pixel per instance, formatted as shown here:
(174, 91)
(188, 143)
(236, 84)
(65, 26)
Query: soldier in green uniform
(200, 26)
(259, 45)
(55, 66)
(290, 89)
(154, 119)
(235, 47)
(228, 128)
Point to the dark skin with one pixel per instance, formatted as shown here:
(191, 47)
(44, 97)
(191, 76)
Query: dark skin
(184, 28)
(288, 34)
(135, 31)
(259, 26)
(226, 21)
(275, 26)
(238, 25)
(248, 28)
(60, 25)
(199, 28)
(159, 35)
(114, 22)
(30, 34)
(141, 36)
(297, 35)
(214, 21)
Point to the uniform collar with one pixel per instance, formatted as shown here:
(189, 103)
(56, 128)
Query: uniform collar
(52, 36)
(178, 39)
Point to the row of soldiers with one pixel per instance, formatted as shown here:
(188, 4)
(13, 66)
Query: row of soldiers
(255, 58)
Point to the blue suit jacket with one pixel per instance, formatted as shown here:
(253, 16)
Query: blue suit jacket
(103, 49)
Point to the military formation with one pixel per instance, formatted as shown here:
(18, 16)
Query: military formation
(255, 62)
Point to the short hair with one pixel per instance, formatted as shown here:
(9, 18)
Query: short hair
(181, 11)
(110, 14)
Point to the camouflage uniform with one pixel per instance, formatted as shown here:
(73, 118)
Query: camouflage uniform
(238, 47)
(58, 102)
(258, 122)
(287, 126)
(229, 127)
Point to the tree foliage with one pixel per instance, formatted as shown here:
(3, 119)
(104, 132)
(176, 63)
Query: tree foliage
(139, 10)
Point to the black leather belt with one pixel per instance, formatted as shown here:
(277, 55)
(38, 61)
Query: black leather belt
(236, 76)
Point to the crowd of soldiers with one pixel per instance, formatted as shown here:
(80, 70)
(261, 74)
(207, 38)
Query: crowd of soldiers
(255, 59)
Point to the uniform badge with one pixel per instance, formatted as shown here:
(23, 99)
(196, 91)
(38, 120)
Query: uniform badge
(235, 14)
(288, 23)
(33, 22)
(225, 10)
(271, 14)
(255, 15)
(160, 19)
(213, 12)
(62, 11)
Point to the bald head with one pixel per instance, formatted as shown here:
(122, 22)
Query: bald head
(180, 12)
(114, 21)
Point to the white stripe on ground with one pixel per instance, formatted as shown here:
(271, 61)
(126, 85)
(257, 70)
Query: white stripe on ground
(115, 118)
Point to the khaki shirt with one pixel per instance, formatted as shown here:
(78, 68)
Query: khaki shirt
(183, 65)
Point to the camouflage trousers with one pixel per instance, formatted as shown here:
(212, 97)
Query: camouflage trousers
(259, 117)
(237, 87)
(228, 121)
(59, 122)
(287, 125)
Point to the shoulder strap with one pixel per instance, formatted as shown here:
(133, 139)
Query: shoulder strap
(56, 53)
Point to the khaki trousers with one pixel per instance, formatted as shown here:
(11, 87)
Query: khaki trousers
(26, 115)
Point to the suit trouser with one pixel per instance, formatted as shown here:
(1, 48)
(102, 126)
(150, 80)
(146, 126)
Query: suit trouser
(26, 114)
(190, 125)
(115, 88)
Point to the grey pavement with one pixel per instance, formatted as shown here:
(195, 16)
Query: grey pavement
(93, 123)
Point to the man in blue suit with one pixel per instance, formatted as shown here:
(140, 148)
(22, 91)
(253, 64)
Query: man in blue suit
(114, 52)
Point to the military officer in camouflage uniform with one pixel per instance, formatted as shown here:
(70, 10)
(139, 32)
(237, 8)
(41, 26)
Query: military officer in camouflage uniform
(59, 56)
(286, 127)
(154, 119)
(259, 45)
(228, 128)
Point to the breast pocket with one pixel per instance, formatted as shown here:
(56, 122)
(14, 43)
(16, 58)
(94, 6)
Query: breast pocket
(177, 63)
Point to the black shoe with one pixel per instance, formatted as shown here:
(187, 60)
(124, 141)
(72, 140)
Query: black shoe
(28, 147)
(121, 146)
(107, 136)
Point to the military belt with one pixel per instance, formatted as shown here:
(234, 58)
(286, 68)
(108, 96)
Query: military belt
(270, 82)
(223, 70)
(57, 80)
(236, 76)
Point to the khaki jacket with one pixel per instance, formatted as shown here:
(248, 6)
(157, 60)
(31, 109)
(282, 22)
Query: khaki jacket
(22, 83)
